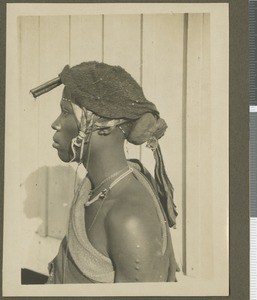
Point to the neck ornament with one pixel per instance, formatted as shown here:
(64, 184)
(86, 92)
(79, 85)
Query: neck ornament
(106, 180)
(102, 195)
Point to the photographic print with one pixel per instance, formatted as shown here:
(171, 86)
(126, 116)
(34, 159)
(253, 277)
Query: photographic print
(121, 117)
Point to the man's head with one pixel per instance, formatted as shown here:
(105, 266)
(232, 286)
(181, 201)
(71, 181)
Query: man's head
(75, 127)
(103, 96)
(100, 100)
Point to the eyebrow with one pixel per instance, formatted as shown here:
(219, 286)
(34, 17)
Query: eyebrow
(67, 107)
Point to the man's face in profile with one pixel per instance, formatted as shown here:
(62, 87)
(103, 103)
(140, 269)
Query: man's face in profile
(66, 129)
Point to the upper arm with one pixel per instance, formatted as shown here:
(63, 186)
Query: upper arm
(135, 244)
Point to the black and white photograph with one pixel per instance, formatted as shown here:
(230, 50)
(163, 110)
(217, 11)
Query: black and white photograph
(121, 117)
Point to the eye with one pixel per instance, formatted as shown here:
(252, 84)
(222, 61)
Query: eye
(65, 112)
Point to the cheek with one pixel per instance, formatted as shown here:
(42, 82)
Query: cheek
(68, 131)
(69, 126)
(64, 152)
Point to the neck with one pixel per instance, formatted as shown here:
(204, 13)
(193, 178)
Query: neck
(104, 163)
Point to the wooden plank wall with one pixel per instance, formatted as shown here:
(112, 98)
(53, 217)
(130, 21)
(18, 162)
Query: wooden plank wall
(199, 237)
(150, 47)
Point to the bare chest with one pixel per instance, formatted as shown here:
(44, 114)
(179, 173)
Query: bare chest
(94, 216)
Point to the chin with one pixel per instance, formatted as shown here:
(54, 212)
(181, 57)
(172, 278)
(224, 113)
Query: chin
(64, 157)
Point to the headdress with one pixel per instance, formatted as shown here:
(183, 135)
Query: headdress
(110, 93)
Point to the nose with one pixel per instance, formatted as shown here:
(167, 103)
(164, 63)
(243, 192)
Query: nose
(56, 125)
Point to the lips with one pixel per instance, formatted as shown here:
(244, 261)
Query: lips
(55, 144)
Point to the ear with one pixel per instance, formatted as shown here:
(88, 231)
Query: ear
(105, 131)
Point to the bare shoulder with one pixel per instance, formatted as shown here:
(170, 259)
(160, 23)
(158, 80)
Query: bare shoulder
(133, 211)
(134, 234)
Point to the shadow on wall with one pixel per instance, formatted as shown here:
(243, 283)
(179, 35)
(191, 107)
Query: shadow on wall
(49, 193)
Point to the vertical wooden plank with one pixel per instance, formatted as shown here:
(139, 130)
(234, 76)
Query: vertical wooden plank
(205, 168)
(194, 84)
(220, 141)
(54, 55)
(122, 47)
(29, 77)
(60, 195)
(199, 200)
(184, 92)
(85, 38)
(30, 182)
(162, 80)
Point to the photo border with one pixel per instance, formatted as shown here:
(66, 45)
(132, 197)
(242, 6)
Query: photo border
(238, 141)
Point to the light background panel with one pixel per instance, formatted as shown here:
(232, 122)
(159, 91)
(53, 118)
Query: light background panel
(86, 38)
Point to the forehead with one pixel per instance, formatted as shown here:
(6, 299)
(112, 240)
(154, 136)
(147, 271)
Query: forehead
(66, 105)
(66, 95)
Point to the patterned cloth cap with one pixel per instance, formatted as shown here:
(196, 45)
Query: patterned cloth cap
(108, 91)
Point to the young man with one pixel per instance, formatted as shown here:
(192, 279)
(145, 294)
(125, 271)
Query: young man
(118, 227)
